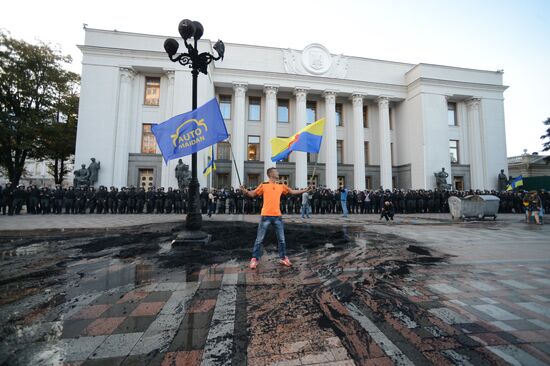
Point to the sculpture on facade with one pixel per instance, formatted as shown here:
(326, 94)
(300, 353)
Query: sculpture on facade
(502, 181)
(441, 179)
(81, 177)
(182, 174)
(93, 170)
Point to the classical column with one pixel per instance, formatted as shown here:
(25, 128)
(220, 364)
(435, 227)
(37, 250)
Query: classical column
(358, 143)
(238, 133)
(474, 142)
(270, 124)
(122, 137)
(331, 167)
(300, 158)
(385, 143)
(168, 173)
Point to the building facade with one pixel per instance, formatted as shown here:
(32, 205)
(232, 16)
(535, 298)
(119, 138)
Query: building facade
(529, 165)
(388, 124)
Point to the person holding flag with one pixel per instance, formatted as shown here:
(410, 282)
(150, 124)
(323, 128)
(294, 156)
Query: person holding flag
(307, 140)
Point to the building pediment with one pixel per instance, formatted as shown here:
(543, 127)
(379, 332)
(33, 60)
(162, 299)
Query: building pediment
(315, 60)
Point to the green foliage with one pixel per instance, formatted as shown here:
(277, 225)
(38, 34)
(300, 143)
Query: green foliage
(546, 136)
(35, 91)
(546, 144)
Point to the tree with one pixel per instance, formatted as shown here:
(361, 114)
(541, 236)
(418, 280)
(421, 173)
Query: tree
(546, 144)
(35, 90)
(60, 144)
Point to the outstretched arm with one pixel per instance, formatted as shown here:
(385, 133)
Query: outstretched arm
(299, 191)
(248, 193)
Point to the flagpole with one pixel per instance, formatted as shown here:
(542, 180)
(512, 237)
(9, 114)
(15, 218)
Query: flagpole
(313, 174)
(234, 162)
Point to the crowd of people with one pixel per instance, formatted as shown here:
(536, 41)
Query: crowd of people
(132, 200)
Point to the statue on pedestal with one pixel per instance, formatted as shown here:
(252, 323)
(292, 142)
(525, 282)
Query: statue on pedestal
(81, 177)
(93, 170)
(502, 181)
(441, 180)
(182, 174)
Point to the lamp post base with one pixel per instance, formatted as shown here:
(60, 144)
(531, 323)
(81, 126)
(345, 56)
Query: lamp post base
(186, 238)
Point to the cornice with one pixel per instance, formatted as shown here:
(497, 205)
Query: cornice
(453, 83)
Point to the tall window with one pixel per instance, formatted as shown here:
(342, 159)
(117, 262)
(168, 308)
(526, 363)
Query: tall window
(451, 113)
(148, 142)
(453, 151)
(365, 116)
(368, 182)
(284, 179)
(282, 110)
(367, 153)
(312, 157)
(222, 151)
(225, 106)
(458, 183)
(253, 180)
(254, 109)
(339, 151)
(223, 180)
(152, 91)
(311, 110)
(339, 116)
(341, 181)
(390, 112)
(253, 148)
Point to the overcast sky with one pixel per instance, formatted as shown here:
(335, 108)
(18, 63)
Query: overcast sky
(483, 34)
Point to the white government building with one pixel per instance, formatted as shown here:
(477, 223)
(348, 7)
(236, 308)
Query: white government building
(389, 124)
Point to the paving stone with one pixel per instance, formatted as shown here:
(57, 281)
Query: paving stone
(103, 326)
(147, 308)
(79, 349)
(443, 288)
(496, 312)
(515, 355)
(118, 310)
(517, 284)
(117, 345)
(134, 324)
(449, 316)
(536, 308)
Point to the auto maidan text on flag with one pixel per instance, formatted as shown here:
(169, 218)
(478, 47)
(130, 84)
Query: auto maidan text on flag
(211, 165)
(190, 132)
(308, 139)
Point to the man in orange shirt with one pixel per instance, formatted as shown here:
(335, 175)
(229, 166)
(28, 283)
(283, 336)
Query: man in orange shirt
(271, 214)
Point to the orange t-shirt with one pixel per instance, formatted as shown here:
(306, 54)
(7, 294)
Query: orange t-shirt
(272, 197)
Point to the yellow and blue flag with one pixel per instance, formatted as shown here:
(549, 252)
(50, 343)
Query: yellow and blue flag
(308, 139)
(190, 132)
(515, 183)
(211, 166)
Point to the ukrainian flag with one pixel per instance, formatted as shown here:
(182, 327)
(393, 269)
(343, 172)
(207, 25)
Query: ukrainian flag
(308, 139)
(211, 166)
(515, 183)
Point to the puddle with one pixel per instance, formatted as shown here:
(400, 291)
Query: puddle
(48, 279)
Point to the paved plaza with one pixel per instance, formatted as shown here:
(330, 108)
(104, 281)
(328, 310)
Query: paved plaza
(423, 290)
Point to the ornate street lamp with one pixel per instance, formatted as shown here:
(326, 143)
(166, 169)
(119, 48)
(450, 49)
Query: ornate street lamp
(198, 62)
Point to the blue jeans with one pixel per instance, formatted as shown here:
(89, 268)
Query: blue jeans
(306, 210)
(264, 224)
(344, 208)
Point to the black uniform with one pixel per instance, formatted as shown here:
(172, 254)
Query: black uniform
(58, 194)
(68, 200)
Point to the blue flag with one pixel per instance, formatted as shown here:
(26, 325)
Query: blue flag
(190, 132)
